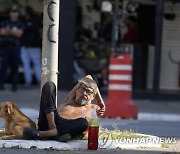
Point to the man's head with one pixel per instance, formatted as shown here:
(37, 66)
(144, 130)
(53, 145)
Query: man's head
(87, 89)
(14, 13)
(29, 12)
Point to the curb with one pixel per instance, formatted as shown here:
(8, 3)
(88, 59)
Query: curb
(146, 142)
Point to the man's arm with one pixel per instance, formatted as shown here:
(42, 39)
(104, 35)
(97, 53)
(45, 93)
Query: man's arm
(16, 32)
(48, 133)
(71, 95)
(3, 31)
(100, 103)
(99, 99)
(50, 119)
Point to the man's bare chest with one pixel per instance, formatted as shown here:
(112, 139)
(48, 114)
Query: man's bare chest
(73, 112)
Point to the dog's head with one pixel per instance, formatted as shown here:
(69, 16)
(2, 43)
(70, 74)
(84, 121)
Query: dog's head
(6, 108)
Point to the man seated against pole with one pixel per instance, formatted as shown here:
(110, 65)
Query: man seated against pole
(70, 119)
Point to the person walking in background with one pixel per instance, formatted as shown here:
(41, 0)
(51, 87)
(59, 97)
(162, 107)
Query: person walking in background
(132, 34)
(31, 45)
(10, 30)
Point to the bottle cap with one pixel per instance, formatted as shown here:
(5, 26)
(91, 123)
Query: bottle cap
(93, 114)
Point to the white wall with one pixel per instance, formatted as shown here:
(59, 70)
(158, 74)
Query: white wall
(170, 42)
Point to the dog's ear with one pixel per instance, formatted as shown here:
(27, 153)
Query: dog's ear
(9, 108)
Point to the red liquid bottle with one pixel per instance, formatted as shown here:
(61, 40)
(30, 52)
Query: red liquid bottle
(93, 131)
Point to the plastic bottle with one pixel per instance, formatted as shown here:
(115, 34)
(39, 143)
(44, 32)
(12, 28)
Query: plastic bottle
(93, 131)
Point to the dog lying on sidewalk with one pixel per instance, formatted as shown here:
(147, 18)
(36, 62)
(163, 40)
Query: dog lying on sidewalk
(14, 121)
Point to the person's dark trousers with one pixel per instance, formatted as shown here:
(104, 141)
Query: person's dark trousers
(73, 127)
(47, 104)
(10, 57)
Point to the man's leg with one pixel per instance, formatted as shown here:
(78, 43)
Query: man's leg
(4, 65)
(36, 59)
(47, 114)
(80, 126)
(74, 127)
(25, 58)
(15, 59)
(47, 107)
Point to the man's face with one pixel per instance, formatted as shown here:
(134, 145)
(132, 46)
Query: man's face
(84, 95)
(14, 15)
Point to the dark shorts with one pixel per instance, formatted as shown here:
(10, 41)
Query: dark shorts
(74, 127)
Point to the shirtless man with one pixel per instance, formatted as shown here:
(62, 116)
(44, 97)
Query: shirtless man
(70, 119)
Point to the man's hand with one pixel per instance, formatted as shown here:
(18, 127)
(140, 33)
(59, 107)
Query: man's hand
(101, 111)
(101, 103)
(4, 31)
(89, 76)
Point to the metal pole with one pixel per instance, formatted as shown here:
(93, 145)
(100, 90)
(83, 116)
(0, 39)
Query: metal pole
(158, 42)
(49, 68)
(115, 27)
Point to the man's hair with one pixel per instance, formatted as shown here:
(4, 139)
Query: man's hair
(89, 83)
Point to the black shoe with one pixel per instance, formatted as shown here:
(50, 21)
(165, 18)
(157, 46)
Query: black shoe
(30, 134)
(63, 138)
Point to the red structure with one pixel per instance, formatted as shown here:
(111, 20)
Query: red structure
(119, 102)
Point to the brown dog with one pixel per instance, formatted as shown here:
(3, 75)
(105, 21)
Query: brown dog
(14, 121)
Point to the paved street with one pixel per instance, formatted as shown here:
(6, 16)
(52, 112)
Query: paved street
(156, 128)
(163, 117)
(118, 151)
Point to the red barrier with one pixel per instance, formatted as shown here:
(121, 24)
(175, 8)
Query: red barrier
(119, 102)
